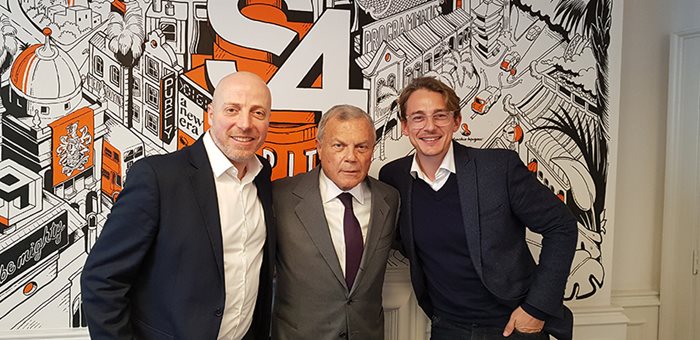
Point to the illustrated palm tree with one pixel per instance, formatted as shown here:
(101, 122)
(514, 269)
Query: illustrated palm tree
(8, 46)
(126, 39)
(587, 189)
(592, 18)
(589, 139)
(8, 43)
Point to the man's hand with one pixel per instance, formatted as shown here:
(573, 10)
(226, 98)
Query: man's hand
(523, 322)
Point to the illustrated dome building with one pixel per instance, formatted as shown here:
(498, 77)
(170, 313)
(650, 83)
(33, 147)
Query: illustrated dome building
(45, 81)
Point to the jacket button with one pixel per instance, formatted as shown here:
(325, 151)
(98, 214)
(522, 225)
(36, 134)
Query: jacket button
(350, 301)
(219, 312)
(343, 335)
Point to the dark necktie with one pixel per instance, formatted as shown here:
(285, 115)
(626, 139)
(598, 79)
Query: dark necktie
(353, 240)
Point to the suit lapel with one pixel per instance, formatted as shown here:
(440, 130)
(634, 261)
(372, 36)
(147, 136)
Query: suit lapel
(264, 190)
(202, 181)
(378, 214)
(409, 216)
(469, 198)
(309, 210)
(406, 229)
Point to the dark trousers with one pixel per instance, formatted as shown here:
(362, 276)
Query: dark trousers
(446, 330)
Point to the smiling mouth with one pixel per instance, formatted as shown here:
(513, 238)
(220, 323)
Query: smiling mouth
(430, 139)
(243, 139)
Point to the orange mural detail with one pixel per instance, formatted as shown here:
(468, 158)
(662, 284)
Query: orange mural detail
(518, 134)
(119, 6)
(532, 166)
(561, 197)
(20, 69)
(120, 150)
(199, 59)
(252, 60)
(72, 144)
(291, 141)
(184, 140)
(111, 171)
(199, 76)
(290, 148)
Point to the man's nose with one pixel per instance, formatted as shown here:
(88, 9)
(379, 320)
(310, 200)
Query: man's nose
(351, 155)
(243, 120)
(429, 123)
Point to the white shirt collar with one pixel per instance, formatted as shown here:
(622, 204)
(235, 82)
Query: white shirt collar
(330, 190)
(447, 164)
(220, 164)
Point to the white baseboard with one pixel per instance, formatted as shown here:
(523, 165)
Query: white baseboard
(642, 309)
(600, 323)
(44, 334)
(633, 315)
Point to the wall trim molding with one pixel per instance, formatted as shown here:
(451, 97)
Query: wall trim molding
(636, 298)
(607, 322)
(642, 309)
(43, 334)
(584, 317)
(599, 315)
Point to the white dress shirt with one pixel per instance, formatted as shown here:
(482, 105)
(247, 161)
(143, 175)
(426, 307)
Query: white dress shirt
(242, 235)
(334, 210)
(447, 166)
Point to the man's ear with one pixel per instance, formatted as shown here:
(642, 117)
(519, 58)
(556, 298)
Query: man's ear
(318, 149)
(210, 113)
(458, 122)
(404, 127)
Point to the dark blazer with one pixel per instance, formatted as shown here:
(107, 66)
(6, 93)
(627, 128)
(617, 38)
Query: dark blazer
(499, 198)
(312, 301)
(156, 271)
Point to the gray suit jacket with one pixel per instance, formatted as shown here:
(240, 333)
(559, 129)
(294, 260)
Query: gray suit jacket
(312, 300)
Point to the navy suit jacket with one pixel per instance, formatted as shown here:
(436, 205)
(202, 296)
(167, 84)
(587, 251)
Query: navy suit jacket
(156, 271)
(499, 198)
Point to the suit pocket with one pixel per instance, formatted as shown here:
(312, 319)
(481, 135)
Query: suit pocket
(147, 332)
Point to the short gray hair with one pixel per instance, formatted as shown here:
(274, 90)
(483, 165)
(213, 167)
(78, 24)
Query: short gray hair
(343, 113)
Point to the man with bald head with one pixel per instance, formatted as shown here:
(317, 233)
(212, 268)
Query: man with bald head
(187, 250)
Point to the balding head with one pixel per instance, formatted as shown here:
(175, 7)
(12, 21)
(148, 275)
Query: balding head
(249, 79)
(239, 116)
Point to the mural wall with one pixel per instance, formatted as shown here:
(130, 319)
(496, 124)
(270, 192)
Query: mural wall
(91, 86)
